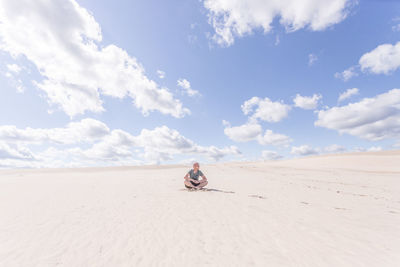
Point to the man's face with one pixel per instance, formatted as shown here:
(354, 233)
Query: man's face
(196, 166)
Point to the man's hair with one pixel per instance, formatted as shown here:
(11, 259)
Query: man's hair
(196, 163)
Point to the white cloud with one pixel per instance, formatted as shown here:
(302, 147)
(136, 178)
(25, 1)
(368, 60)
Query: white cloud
(266, 109)
(74, 66)
(8, 151)
(270, 155)
(383, 59)
(348, 94)
(86, 130)
(303, 150)
(243, 133)
(14, 68)
(370, 149)
(216, 153)
(312, 58)
(185, 85)
(253, 131)
(159, 144)
(14, 81)
(91, 143)
(334, 149)
(161, 74)
(374, 119)
(237, 18)
(117, 145)
(12, 75)
(71, 98)
(263, 109)
(346, 74)
(375, 148)
(164, 139)
(275, 139)
(307, 102)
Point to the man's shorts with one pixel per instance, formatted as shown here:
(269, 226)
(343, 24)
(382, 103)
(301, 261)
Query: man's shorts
(194, 184)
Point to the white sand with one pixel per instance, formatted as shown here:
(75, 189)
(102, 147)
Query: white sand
(318, 211)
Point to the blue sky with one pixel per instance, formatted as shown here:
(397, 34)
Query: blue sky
(81, 81)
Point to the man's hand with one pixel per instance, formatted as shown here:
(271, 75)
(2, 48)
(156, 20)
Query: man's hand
(194, 181)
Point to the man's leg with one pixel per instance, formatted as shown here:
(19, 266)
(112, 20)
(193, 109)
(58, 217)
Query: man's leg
(188, 184)
(202, 184)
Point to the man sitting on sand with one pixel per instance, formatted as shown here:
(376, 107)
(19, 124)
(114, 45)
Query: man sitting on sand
(192, 178)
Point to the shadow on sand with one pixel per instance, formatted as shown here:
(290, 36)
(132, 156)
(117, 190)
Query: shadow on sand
(216, 190)
(209, 190)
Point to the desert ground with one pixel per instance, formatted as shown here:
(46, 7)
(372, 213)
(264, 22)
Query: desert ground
(330, 210)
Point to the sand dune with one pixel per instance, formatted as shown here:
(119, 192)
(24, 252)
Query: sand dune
(335, 210)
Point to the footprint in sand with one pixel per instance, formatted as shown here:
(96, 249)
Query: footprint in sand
(258, 196)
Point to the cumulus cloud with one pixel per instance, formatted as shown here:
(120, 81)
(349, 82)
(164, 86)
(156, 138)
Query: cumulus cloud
(237, 18)
(14, 68)
(270, 155)
(259, 109)
(275, 139)
(12, 74)
(374, 119)
(384, 59)
(187, 89)
(76, 70)
(116, 145)
(346, 74)
(347, 94)
(334, 149)
(307, 102)
(8, 151)
(253, 131)
(304, 150)
(86, 130)
(369, 149)
(375, 149)
(243, 133)
(90, 142)
(159, 145)
(265, 109)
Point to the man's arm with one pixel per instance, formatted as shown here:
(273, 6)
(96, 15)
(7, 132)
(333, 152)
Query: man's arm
(186, 177)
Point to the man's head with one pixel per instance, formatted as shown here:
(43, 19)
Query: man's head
(196, 166)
